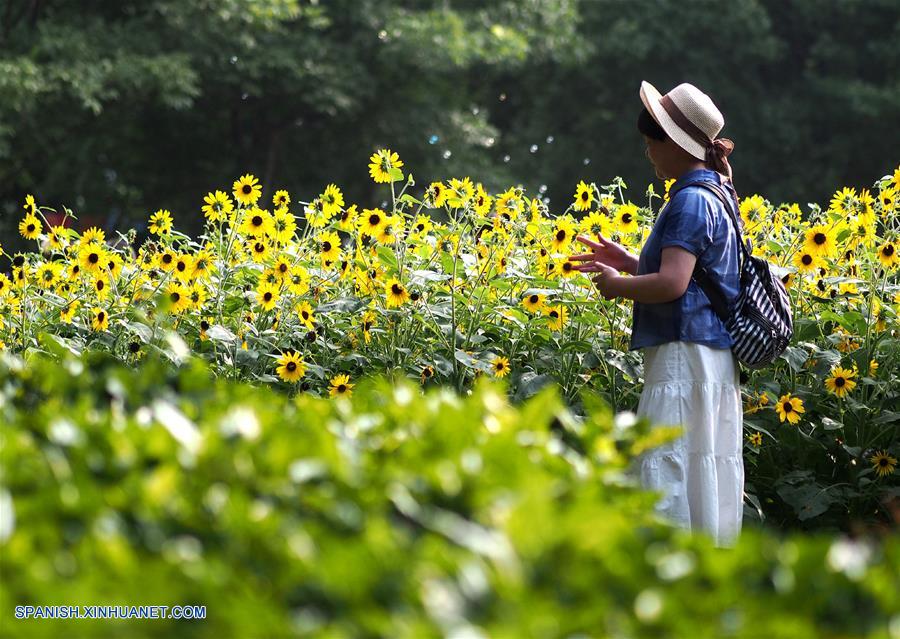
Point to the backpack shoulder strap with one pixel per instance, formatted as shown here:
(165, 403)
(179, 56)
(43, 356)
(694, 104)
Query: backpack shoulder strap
(730, 203)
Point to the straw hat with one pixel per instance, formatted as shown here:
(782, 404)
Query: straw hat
(686, 114)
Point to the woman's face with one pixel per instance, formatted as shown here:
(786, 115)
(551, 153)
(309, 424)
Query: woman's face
(657, 153)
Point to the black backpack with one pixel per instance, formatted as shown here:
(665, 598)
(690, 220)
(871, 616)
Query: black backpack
(760, 322)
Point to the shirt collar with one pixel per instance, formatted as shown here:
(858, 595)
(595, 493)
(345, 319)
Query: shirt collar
(695, 175)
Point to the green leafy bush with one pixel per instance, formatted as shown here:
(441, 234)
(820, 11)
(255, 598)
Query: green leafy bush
(393, 513)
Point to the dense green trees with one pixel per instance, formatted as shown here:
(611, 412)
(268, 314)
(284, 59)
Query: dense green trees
(119, 108)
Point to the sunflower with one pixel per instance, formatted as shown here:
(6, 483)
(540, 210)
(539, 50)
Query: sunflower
(500, 366)
(67, 313)
(257, 223)
(596, 224)
(584, 197)
(556, 317)
(347, 218)
(421, 226)
(291, 367)
(281, 199)
(57, 238)
(283, 226)
(806, 261)
(563, 234)
(47, 274)
(435, 195)
(305, 313)
(203, 264)
(534, 303)
(371, 221)
(178, 296)
(789, 408)
(385, 166)
(626, 218)
(160, 222)
(93, 234)
(30, 227)
(820, 241)
(298, 280)
(184, 267)
(259, 251)
(883, 463)
(841, 381)
(329, 246)
(29, 206)
(101, 288)
(217, 206)
(166, 260)
(340, 385)
(247, 189)
(197, 294)
(91, 258)
(99, 319)
(887, 254)
(755, 439)
(844, 201)
(332, 200)
(396, 293)
(483, 201)
(888, 198)
(427, 373)
(509, 204)
(267, 296)
(387, 234)
(461, 192)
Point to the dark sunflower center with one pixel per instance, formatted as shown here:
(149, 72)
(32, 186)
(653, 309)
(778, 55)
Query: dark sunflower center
(888, 250)
(326, 246)
(283, 267)
(554, 314)
(291, 366)
(420, 227)
(305, 314)
(100, 284)
(267, 296)
(175, 297)
(165, 258)
(101, 316)
(884, 462)
(819, 238)
(247, 189)
(584, 195)
(533, 299)
(626, 218)
(93, 258)
(341, 388)
(204, 325)
(560, 235)
(806, 259)
(788, 407)
(259, 247)
(840, 381)
(374, 220)
(31, 228)
(396, 289)
(181, 266)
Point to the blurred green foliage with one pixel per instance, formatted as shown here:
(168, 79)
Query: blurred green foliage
(392, 514)
(118, 108)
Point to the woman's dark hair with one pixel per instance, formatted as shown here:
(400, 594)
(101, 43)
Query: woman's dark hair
(650, 127)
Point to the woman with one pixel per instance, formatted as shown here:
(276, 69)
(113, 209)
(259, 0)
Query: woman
(691, 377)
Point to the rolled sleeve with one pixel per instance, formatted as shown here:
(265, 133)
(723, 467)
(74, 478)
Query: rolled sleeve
(689, 222)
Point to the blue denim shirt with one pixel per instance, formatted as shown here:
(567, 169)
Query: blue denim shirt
(695, 220)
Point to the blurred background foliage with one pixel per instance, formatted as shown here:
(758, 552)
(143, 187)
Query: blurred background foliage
(117, 108)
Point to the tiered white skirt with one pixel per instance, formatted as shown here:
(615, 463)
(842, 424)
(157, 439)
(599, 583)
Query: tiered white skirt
(701, 474)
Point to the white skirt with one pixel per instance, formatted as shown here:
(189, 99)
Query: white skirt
(701, 474)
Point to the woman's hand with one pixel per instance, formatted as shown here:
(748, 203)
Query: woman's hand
(606, 252)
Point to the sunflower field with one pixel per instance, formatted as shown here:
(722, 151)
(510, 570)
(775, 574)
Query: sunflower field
(447, 283)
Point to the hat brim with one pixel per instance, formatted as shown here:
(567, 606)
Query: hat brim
(650, 97)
